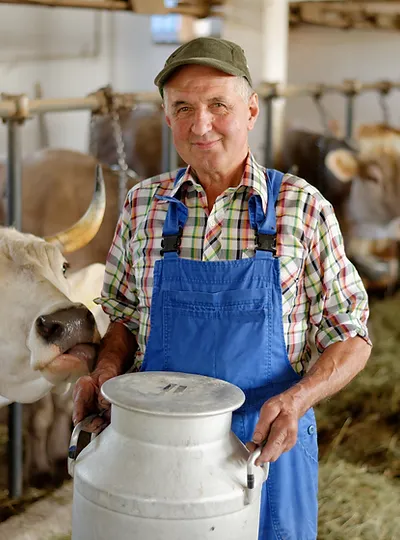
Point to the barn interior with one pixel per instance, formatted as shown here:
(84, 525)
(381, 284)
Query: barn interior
(76, 84)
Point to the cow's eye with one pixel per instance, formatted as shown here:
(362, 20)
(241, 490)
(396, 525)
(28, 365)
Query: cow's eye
(65, 268)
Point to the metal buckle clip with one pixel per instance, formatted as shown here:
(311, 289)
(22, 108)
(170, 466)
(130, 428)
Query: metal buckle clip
(171, 242)
(266, 242)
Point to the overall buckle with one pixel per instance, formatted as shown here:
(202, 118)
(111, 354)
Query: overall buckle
(171, 242)
(266, 242)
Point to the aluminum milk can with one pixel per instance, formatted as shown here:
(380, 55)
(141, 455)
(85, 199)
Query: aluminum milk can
(168, 467)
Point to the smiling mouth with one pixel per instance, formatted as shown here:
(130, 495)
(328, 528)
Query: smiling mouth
(205, 145)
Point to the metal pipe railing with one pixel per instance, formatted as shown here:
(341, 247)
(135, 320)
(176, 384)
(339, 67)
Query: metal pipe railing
(22, 107)
(14, 219)
(277, 90)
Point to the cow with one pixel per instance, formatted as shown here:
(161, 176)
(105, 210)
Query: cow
(142, 135)
(310, 156)
(48, 337)
(56, 189)
(362, 181)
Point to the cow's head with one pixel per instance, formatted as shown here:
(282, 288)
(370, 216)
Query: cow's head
(375, 181)
(372, 228)
(46, 339)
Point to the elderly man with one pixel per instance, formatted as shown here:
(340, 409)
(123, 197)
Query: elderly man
(235, 264)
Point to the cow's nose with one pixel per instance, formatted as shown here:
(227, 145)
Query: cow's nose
(47, 327)
(59, 327)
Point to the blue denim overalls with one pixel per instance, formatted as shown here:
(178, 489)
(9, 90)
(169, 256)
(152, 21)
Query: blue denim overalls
(224, 319)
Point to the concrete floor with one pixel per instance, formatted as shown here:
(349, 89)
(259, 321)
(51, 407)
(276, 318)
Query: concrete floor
(47, 519)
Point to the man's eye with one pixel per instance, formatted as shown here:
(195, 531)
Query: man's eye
(65, 268)
(183, 109)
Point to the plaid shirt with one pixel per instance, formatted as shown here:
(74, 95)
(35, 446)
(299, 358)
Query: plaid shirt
(320, 287)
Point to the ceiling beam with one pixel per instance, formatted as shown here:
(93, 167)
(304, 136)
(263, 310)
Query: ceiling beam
(345, 15)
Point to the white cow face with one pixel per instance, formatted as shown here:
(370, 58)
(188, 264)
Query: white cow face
(46, 340)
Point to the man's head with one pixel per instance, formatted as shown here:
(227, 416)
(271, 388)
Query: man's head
(209, 103)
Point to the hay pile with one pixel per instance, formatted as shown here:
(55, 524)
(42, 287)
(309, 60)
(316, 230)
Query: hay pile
(357, 505)
(362, 423)
(359, 433)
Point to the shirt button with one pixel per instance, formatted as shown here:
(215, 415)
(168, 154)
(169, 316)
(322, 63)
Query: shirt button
(310, 430)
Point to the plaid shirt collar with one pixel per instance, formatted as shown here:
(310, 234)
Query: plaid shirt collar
(253, 178)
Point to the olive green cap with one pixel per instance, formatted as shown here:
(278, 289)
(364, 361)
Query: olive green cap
(218, 53)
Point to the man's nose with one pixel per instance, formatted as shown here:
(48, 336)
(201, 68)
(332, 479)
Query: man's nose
(202, 123)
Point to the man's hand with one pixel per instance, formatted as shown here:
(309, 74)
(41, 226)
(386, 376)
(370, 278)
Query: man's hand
(278, 426)
(116, 353)
(279, 416)
(88, 399)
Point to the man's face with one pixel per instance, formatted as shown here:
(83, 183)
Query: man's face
(209, 118)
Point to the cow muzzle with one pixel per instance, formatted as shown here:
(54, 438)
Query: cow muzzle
(68, 341)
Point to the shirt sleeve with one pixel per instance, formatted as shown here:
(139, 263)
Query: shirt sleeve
(118, 297)
(338, 300)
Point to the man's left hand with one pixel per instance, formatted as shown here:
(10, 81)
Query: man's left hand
(278, 426)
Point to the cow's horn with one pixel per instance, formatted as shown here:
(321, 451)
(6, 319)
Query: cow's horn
(80, 234)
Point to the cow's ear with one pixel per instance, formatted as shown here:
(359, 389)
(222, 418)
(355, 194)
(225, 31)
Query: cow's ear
(342, 164)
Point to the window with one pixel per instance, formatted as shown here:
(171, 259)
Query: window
(178, 29)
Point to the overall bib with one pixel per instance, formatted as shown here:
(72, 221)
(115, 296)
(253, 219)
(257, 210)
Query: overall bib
(224, 319)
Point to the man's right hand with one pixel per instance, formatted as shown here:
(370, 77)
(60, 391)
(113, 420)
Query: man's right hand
(88, 400)
(116, 354)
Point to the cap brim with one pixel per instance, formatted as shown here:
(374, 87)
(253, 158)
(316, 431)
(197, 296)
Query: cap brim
(166, 73)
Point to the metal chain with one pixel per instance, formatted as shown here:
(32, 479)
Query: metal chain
(384, 106)
(121, 154)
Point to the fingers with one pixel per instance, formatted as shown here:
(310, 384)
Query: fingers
(88, 398)
(85, 399)
(96, 425)
(276, 429)
(268, 414)
(282, 437)
(251, 447)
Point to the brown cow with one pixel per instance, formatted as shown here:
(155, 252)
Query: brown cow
(364, 188)
(56, 189)
(142, 135)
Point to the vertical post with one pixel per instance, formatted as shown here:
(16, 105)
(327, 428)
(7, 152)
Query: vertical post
(269, 152)
(169, 154)
(15, 442)
(274, 41)
(352, 88)
(173, 156)
(349, 115)
(166, 144)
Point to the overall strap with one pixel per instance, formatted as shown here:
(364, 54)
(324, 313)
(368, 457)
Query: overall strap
(265, 224)
(174, 223)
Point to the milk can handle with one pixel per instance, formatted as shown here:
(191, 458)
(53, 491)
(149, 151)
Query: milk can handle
(73, 443)
(250, 473)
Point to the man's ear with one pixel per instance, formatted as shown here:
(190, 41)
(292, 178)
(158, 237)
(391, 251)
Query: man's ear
(254, 110)
(342, 164)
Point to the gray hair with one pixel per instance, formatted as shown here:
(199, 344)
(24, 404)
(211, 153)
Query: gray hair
(242, 87)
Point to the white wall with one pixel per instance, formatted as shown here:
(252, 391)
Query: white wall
(73, 52)
(321, 55)
(330, 56)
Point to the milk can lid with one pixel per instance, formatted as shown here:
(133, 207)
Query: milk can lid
(176, 394)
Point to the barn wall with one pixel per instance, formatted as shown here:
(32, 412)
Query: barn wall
(321, 55)
(73, 52)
